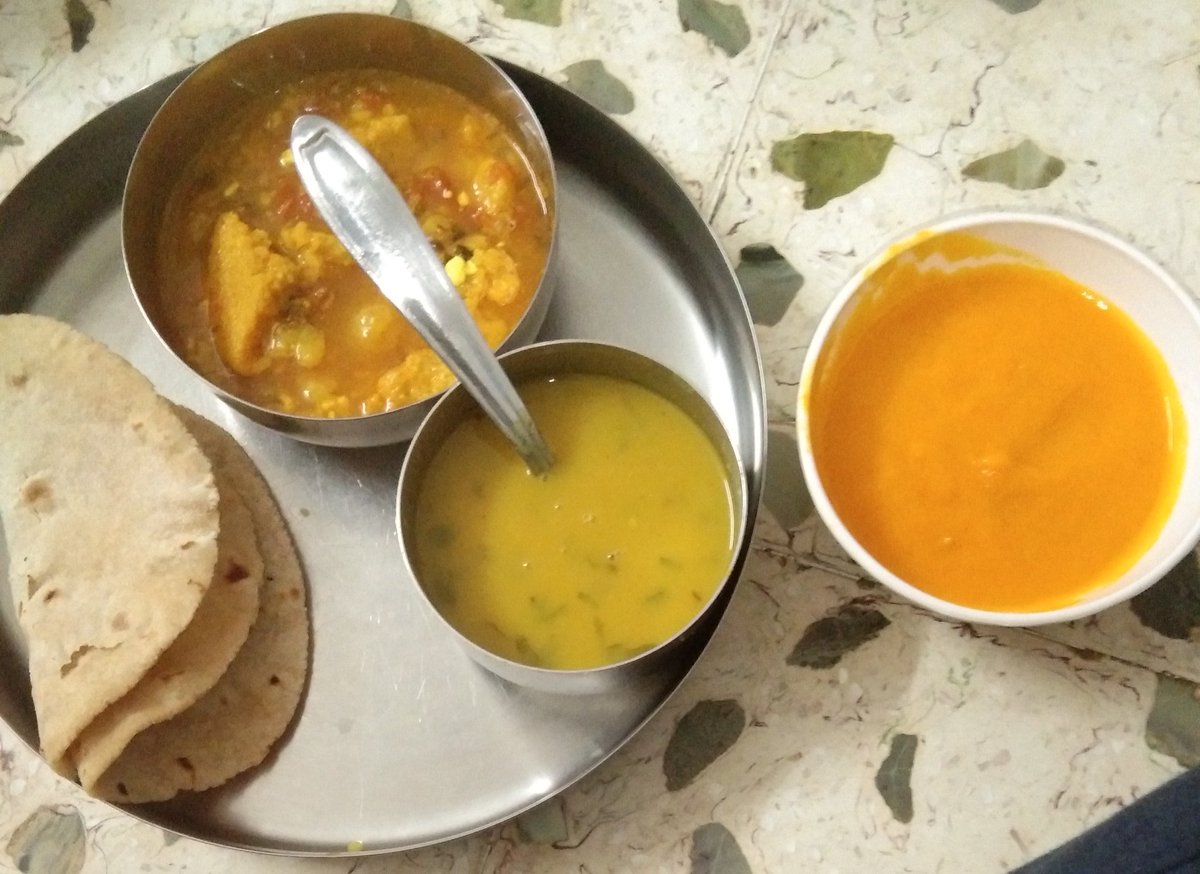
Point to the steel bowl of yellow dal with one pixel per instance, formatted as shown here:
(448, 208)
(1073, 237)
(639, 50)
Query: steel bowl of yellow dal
(240, 277)
(574, 580)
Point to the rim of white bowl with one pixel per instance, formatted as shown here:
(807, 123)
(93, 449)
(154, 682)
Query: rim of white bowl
(965, 221)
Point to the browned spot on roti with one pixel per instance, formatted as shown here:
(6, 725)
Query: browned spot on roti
(35, 492)
(120, 622)
(18, 380)
(235, 573)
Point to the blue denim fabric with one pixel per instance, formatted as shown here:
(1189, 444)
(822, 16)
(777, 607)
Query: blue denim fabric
(1157, 834)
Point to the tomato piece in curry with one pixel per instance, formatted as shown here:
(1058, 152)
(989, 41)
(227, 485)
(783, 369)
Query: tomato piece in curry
(278, 312)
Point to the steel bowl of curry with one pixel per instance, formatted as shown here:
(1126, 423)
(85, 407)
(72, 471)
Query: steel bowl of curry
(239, 276)
(585, 577)
(996, 418)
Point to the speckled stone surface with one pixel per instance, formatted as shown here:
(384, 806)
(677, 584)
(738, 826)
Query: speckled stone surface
(830, 726)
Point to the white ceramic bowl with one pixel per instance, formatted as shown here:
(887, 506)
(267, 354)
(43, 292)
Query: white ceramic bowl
(1156, 301)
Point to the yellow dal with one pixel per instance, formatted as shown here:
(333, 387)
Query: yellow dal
(611, 553)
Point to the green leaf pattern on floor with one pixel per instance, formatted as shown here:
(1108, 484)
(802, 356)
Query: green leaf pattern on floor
(723, 24)
(715, 851)
(591, 81)
(81, 21)
(785, 493)
(1023, 167)
(1173, 726)
(828, 640)
(831, 164)
(1172, 605)
(894, 777)
(769, 281)
(544, 824)
(1013, 7)
(50, 841)
(701, 736)
(548, 12)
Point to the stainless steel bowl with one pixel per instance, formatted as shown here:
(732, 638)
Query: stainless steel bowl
(261, 64)
(560, 357)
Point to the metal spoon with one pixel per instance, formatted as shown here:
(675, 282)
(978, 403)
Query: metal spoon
(365, 211)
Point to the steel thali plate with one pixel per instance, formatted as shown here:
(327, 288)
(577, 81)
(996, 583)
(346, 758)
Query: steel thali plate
(401, 741)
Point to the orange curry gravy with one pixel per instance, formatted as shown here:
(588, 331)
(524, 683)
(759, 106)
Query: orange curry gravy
(277, 311)
(992, 432)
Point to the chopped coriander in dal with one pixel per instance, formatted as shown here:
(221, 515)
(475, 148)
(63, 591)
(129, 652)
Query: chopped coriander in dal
(614, 551)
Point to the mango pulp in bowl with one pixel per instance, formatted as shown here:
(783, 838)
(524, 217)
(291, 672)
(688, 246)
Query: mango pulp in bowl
(996, 418)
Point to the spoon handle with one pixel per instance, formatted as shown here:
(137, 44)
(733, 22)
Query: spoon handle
(365, 211)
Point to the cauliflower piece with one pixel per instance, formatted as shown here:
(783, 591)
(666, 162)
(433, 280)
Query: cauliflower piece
(420, 375)
(493, 330)
(494, 278)
(388, 136)
(313, 250)
(494, 186)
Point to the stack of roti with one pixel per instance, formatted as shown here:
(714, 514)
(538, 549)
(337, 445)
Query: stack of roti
(153, 576)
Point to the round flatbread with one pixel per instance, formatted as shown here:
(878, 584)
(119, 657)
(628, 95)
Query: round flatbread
(234, 725)
(110, 513)
(200, 655)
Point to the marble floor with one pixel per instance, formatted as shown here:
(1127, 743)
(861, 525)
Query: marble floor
(830, 726)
